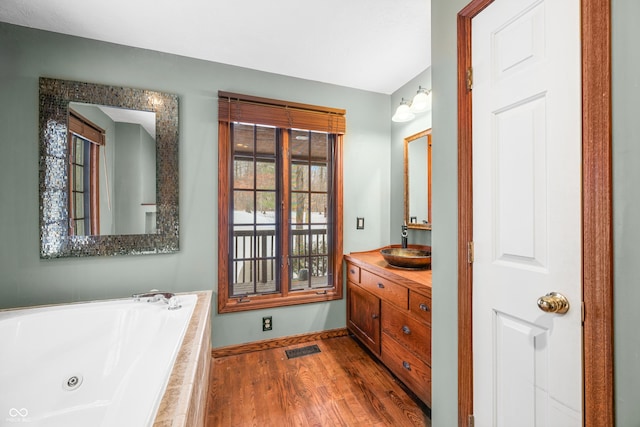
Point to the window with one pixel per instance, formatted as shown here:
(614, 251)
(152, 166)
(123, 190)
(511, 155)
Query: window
(85, 139)
(279, 203)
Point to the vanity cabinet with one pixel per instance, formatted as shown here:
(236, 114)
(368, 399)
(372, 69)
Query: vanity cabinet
(389, 311)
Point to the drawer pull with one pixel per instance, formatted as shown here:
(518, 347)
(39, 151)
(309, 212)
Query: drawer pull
(424, 307)
(406, 365)
(375, 316)
(406, 330)
(380, 285)
(352, 271)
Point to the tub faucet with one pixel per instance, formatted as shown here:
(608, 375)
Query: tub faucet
(404, 235)
(153, 296)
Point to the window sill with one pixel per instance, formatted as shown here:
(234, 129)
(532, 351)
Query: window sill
(257, 302)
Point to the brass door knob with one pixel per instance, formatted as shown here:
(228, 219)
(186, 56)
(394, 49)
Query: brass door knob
(553, 302)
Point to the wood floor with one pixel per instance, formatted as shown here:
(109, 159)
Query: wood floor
(340, 386)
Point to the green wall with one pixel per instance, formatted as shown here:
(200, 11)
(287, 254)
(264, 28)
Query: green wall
(444, 350)
(25, 279)
(626, 208)
(134, 177)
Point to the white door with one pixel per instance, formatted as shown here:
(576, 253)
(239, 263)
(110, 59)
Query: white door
(526, 213)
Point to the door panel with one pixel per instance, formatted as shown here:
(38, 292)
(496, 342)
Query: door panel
(526, 213)
(520, 184)
(521, 360)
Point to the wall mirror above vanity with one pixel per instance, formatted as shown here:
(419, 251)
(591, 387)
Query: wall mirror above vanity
(108, 170)
(417, 180)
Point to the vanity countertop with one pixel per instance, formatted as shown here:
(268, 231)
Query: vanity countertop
(372, 260)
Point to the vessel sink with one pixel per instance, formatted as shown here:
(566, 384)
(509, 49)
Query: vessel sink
(415, 259)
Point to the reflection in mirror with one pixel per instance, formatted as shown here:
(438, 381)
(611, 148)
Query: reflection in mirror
(417, 180)
(108, 170)
(112, 176)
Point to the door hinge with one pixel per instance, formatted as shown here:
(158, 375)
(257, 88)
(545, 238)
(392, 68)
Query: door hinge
(470, 252)
(471, 421)
(582, 310)
(469, 79)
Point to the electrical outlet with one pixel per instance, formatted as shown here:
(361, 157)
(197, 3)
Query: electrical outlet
(267, 323)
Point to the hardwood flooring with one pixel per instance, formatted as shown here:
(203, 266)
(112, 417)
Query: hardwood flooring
(340, 386)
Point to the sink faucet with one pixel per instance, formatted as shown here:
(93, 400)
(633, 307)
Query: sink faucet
(404, 235)
(154, 295)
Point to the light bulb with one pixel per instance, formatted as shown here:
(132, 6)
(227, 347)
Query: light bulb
(422, 101)
(403, 113)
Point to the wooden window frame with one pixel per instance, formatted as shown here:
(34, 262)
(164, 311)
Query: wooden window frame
(87, 130)
(283, 115)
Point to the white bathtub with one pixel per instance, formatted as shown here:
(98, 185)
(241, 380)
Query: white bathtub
(88, 364)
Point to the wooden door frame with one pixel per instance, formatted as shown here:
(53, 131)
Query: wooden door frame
(597, 213)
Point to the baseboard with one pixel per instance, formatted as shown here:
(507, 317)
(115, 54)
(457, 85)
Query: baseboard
(277, 342)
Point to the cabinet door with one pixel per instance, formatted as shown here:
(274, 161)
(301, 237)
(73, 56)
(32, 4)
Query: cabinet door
(364, 316)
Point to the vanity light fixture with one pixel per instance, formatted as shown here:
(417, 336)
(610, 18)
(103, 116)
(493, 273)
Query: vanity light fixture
(403, 112)
(420, 103)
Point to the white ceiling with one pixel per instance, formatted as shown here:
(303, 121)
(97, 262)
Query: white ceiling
(375, 45)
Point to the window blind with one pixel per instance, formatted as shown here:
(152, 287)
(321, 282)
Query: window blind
(271, 112)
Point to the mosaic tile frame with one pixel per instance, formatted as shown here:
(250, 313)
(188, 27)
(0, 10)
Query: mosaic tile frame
(55, 241)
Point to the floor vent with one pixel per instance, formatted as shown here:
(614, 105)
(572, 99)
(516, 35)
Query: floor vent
(302, 351)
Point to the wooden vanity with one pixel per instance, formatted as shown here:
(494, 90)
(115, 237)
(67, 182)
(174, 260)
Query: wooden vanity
(389, 311)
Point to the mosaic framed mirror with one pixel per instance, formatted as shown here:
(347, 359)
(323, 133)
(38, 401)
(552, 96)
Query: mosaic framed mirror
(108, 170)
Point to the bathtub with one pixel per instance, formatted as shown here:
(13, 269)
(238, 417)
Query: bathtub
(105, 363)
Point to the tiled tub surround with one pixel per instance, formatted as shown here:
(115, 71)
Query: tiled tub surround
(185, 398)
(116, 362)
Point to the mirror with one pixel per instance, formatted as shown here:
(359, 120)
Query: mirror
(417, 180)
(105, 199)
(108, 170)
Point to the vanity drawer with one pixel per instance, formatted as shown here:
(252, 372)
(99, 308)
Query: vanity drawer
(385, 289)
(413, 372)
(353, 272)
(412, 333)
(420, 306)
